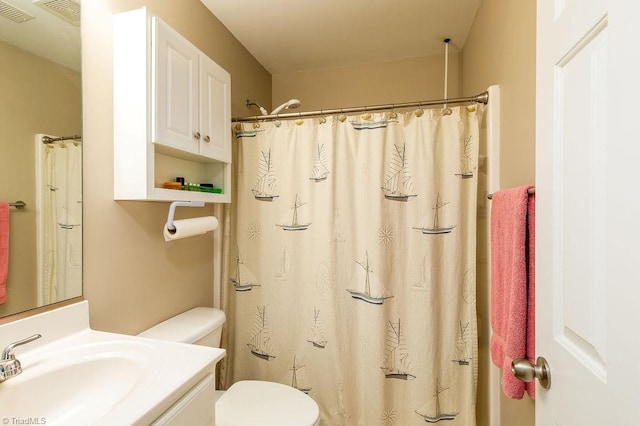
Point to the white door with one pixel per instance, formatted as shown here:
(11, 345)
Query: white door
(215, 110)
(175, 89)
(588, 211)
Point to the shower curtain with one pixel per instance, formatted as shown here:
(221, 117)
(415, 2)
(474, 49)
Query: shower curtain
(352, 273)
(60, 220)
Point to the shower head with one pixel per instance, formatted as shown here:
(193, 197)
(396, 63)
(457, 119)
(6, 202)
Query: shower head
(290, 104)
(262, 110)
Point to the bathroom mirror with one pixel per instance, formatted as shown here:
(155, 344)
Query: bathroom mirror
(40, 82)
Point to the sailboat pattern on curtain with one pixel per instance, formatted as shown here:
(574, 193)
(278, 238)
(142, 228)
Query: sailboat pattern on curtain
(243, 280)
(396, 361)
(376, 294)
(436, 227)
(317, 338)
(467, 164)
(320, 166)
(373, 291)
(296, 381)
(265, 187)
(397, 183)
(462, 356)
(260, 344)
(433, 413)
(295, 224)
(368, 121)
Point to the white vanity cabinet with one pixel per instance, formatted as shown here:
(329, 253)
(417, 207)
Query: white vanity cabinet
(196, 407)
(172, 113)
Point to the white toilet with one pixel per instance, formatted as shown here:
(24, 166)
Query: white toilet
(248, 402)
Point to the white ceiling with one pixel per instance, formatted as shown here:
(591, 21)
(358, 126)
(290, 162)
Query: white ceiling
(296, 35)
(291, 35)
(46, 35)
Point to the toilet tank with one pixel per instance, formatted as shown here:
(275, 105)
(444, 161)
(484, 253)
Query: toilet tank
(200, 326)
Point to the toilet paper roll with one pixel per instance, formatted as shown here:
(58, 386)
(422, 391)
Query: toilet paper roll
(190, 227)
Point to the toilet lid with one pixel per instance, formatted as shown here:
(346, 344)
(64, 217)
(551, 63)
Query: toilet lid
(252, 402)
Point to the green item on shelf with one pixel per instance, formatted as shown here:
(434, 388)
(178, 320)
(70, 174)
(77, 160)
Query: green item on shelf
(200, 188)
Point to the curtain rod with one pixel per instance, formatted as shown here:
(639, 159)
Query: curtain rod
(482, 98)
(48, 139)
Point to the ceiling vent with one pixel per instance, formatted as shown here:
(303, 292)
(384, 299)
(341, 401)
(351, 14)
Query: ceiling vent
(69, 10)
(11, 12)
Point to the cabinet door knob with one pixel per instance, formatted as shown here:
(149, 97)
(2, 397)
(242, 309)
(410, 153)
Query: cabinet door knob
(207, 138)
(196, 135)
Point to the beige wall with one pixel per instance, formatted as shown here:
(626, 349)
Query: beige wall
(500, 50)
(133, 278)
(38, 96)
(408, 80)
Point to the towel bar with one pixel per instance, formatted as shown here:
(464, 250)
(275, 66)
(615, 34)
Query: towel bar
(530, 191)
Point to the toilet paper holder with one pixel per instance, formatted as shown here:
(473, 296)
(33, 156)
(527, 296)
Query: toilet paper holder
(172, 210)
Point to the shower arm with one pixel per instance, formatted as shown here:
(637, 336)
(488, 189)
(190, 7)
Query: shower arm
(249, 104)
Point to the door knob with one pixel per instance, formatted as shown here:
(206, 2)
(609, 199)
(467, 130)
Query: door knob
(523, 370)
(207, 138)
(196, 135)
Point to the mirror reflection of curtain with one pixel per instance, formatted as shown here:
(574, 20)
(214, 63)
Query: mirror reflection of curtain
(60, 220)
(353, 275)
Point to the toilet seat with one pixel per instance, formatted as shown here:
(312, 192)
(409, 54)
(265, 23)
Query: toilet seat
(254, 402)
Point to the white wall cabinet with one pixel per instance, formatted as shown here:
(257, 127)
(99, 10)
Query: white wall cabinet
(172, 113)
(191, 106)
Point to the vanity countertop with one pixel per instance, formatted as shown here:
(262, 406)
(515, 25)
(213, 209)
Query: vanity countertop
(76, 375)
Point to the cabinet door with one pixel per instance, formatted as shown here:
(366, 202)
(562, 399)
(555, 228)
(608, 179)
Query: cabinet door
(175, 90)
(215, 114)
(196, 407)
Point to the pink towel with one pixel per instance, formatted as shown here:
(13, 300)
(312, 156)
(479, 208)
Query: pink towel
(510, 257)
(4, 250)
(531, 290)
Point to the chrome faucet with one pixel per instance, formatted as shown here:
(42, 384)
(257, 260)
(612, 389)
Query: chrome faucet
(9, 365)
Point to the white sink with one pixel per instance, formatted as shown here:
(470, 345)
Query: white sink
(92, 377)
(80, 385)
